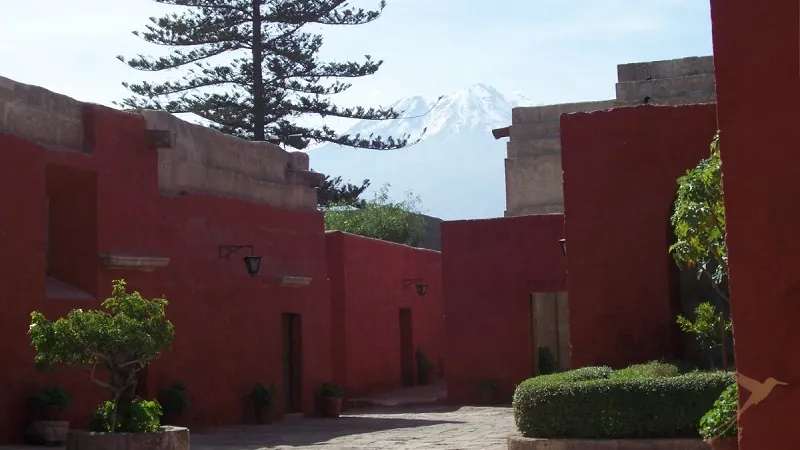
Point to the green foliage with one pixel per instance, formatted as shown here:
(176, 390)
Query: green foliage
(547, 361)
(262, 396)
(708, 326)
(653, 369)
(698, 222)
(252, 69)
(138, 416)
(722, 419)
(335, 192)
(330, 390)
(423, 363)
(55, 396)
(380, 218)
(121, 339)
(594, 404)
(173, 398)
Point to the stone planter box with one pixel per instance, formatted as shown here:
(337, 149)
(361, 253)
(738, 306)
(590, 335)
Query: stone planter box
(167, 438)
(523, 443)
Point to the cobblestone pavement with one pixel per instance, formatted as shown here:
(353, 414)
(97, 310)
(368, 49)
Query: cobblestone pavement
(431, 427)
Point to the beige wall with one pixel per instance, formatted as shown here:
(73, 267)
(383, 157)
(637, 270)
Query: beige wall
(533, 163)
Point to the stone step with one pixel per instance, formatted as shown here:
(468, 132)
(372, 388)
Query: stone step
(533, 147)
(552, 113)
(535, 130)
(671, 68)
(696, 85)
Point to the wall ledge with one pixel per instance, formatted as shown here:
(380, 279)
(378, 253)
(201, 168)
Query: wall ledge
(292, 281)
(56, 289)
(120, 261)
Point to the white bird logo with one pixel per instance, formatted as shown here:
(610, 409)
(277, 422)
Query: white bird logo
(758, 392)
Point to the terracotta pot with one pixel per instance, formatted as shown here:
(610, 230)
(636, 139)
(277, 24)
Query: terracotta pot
(724, 443)
(329, 407)
(263, 414)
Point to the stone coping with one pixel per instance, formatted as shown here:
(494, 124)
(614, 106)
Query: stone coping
(167, 438)
(522, 443)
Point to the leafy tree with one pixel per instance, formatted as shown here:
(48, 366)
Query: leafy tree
(121, 340)
(380, 218)
(273, 77)
(336, 192)
(710, 328)
(698, 222)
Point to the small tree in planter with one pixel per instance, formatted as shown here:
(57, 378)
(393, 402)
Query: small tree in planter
(424, 368)
(174, 402)
(47, 407)
(719, 427)
(120, 340)
(263, 399)
(329, 400)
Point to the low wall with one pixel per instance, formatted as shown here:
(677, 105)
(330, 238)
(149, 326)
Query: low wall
(523, 443)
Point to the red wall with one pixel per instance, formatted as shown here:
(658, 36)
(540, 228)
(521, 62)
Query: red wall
(228, 325)
(758, 84)
(489, 269)
(368, 289)
(620, 170)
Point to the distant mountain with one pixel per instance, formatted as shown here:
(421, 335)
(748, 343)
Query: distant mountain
(457, 169)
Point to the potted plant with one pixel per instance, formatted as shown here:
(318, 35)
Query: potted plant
(424, 368)
(119, 340)
(329, 400)
(263, 399)
(47, 407)
(719, 426)
(174, 402)
(488, 390)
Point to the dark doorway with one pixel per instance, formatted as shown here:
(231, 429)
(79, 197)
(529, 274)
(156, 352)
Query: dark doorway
(292, 360)
(406, 349)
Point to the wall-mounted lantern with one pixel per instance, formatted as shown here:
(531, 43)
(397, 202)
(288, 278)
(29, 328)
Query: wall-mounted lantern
(419, 286)
(252, 262)
(563, 243)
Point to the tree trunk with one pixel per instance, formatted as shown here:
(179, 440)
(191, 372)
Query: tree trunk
(258, 77)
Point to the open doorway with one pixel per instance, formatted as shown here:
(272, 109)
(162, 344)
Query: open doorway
(406, 349)
(292, 360)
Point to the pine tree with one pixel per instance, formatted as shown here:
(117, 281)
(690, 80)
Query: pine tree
(336, 192)
(274, 78)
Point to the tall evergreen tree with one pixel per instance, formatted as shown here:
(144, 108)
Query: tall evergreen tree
(336, 192)
(274, 78)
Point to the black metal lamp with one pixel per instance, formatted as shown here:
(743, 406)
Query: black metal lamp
(563, 243)
(251, 262)
(421, 289)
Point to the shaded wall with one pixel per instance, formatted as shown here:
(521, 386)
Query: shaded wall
(371, 281)
(620, 171)
(489, 270)
(758, 73)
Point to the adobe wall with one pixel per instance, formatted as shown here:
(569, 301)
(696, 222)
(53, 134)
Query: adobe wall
(490, 268)
(620, 168)
(371, 280)
(533, 163)
(758, 73)
(196, 160)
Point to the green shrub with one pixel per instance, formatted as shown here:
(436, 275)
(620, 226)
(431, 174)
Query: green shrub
(721, 419)
(54, 396)
(591, 405)
(138, 416)
(330, 390)
(653, 369)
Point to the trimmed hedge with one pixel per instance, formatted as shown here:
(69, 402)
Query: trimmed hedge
(593, 404)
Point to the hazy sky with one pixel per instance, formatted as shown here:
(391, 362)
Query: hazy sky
(553, 50)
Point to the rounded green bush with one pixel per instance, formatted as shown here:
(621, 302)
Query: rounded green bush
(649, 370)
(721, 420)
(601, 406)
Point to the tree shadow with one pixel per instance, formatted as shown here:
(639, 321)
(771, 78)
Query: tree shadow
(307, 431)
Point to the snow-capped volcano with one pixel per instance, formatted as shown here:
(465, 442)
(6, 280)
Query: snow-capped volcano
(457, 169)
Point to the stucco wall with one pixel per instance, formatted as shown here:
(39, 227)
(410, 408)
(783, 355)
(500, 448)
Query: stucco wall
(758, 71)
(620, 171)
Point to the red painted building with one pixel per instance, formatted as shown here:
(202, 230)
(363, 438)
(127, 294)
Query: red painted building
(490, 268)
(758, 84)
(620, 170)
(378, 319)
(91, 194)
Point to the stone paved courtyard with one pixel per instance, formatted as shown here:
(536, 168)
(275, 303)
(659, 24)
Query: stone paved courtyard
(429, 427)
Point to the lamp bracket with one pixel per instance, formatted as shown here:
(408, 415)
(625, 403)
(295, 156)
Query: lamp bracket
(225, 251)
